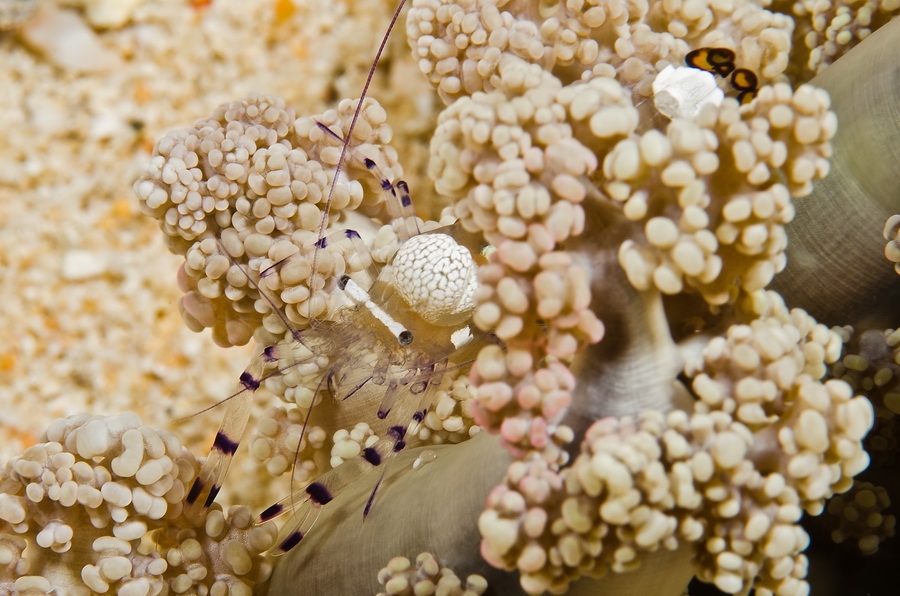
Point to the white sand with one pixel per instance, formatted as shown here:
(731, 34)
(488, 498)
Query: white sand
(89, 321)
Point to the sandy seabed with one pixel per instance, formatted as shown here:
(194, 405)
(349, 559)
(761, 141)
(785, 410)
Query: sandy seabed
(89, 319)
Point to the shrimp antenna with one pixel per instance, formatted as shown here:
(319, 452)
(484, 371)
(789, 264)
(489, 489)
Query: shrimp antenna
(359, 105)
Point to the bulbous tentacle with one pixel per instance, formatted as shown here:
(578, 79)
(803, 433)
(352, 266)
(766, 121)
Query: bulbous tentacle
(836, 269)
(418, 509)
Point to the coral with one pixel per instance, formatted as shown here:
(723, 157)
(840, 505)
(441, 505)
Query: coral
(428, 577)
(721, 234)
(862, 515)
(709, 478)
(532, 157)
(869, 365)
(891, 233)
(256, 179)
(97, 506)
(768, 373)
(461, 45)
(825, 31)
(655, 404)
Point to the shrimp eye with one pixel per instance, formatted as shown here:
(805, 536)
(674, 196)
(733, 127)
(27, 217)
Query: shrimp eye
(744, 80)
(342, 281)
(717, 60)
(405, 337)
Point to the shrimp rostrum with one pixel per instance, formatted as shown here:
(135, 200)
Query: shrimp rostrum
(362, 330)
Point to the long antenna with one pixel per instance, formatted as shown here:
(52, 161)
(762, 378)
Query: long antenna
(347, 137)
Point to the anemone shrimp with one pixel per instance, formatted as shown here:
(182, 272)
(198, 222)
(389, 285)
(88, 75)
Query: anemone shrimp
(338, 324)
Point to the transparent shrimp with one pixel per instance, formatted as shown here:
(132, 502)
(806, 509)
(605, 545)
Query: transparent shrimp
(391, 343)
(401, 329)
(406, 331)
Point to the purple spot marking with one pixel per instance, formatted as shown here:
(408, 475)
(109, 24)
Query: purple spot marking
(195, 491)
(404, 190)
(318, 493)
(271, 511)
(291, 541)
(249, 382)
(371, 500)
(372, 456)
(212, 495)
(224, 444)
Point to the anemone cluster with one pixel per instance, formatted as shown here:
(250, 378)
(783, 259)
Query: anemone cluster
(101, 499)
(252, 182)
(653, 395)
(401, 579)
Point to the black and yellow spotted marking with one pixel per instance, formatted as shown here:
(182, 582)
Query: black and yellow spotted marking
(721, 61)
(746, 83)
